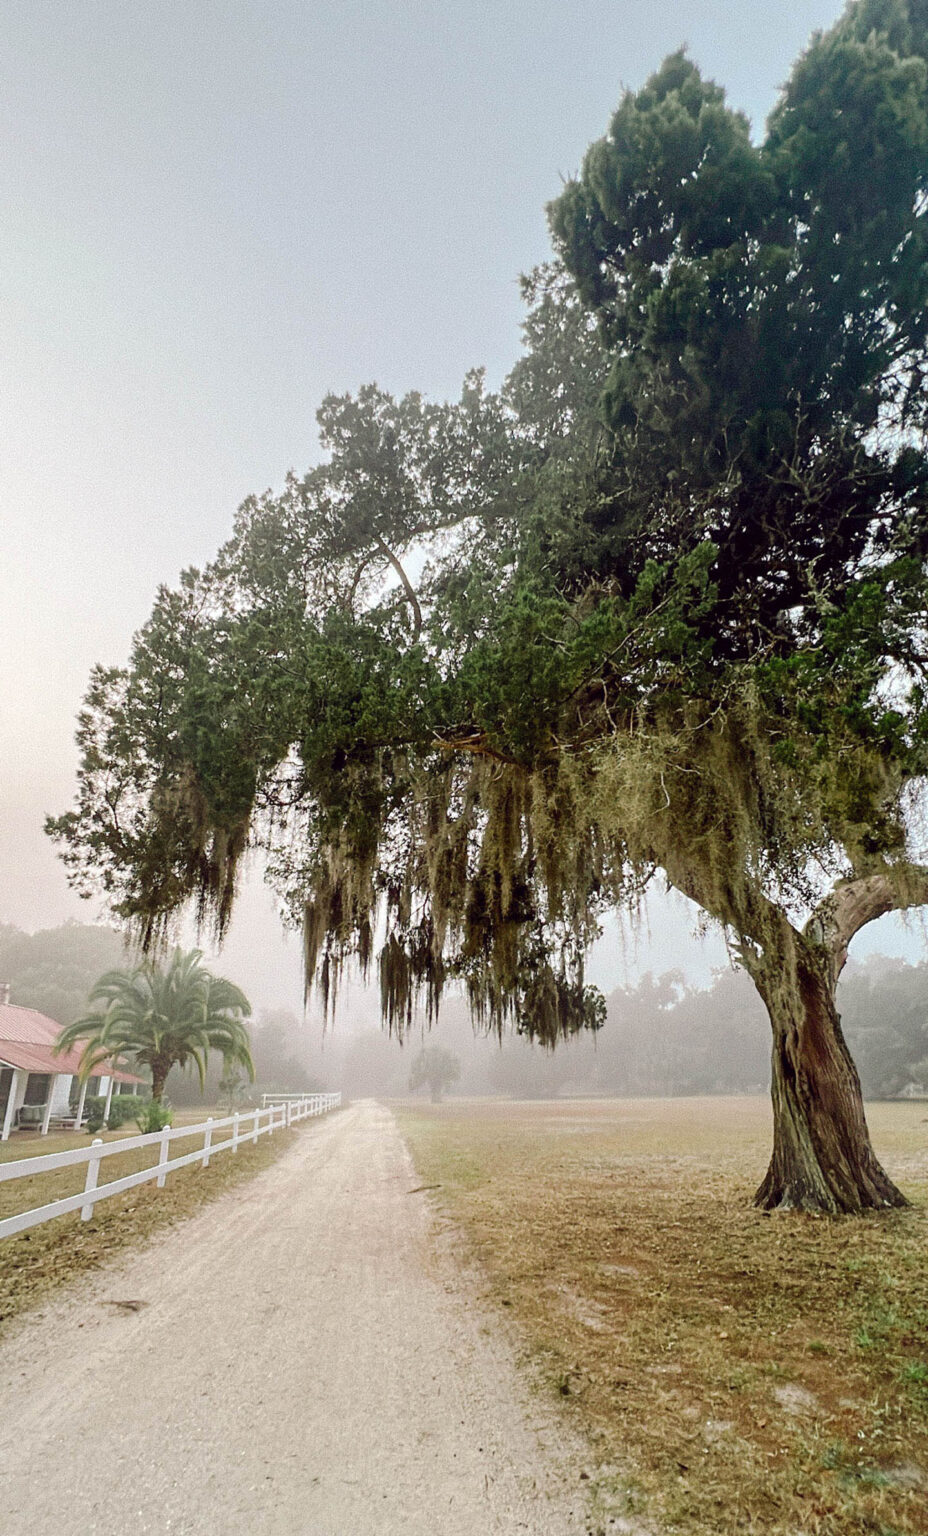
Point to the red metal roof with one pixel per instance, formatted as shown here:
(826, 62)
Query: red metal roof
(26, 1025)
(26, 1041)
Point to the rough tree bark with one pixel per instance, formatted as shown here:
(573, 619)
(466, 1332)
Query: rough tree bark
(822, 1158)
(159, 1077)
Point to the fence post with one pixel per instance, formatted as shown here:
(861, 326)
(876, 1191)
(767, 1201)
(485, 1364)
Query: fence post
(289, 1113)
(90, 1183)
(207, 1140)
(235, 1131)
(255, 1133)
(163, 1155)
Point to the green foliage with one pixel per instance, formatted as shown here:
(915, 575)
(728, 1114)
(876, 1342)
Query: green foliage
(672, 605)
(287, 1056)
(163, 1018)
(123, 1107)
(153, 1115)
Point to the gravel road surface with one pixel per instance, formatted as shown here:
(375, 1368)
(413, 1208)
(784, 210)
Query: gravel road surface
(301, 1357)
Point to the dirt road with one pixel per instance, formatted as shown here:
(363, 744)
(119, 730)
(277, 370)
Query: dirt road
(300, 1359)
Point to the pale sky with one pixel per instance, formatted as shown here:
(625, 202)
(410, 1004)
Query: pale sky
(214, 213)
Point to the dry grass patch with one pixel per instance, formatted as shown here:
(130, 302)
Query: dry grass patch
(737, 1372)
(34, 1263)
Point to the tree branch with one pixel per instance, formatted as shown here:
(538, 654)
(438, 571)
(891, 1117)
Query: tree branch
(478, 745)
(856, 902)
(407, 586)
(357, 577)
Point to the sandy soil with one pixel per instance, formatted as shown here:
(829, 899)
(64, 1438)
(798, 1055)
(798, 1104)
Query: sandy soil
(302, 1357)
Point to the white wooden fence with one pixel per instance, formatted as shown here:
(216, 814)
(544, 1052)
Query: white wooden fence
(246, 1126)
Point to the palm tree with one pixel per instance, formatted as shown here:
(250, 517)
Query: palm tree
(163, 1018)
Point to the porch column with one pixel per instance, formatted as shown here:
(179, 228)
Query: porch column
(11, 1105)
(109, 1099)
(80, 1106)
(48, 1105)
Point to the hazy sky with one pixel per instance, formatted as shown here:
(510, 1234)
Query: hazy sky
(216, 211)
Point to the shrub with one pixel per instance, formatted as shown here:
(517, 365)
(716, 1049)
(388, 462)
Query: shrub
(94, 1107)
(123, 1107)
(154, 1115)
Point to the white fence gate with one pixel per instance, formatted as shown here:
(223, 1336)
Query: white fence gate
(282, 1111)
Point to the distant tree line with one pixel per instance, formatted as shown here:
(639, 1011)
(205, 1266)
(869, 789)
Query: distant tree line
(664, 1037)
(54, 970)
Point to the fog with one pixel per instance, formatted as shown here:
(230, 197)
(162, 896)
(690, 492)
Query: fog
(664, 1033)
(663, 1037)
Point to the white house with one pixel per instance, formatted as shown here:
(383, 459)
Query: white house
(35, 1084)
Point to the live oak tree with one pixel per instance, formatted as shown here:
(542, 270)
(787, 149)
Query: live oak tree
(669, 618)
(765, 309)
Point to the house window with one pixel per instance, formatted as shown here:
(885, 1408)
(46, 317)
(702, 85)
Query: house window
(37, 1086)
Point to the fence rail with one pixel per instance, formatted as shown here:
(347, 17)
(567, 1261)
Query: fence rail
(281, 1098)
(282, 1111)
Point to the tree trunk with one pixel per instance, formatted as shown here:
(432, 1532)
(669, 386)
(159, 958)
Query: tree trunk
(822, 1157)
(159, 1076)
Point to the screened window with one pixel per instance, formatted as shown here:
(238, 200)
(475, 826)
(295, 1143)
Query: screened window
(37, 1085)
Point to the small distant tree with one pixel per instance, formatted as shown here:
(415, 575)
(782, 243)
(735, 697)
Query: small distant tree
(437, 1068)
(232, 1085)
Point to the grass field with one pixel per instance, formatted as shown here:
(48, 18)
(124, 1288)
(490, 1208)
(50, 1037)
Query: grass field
(33, 1263)
(734, 1371)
